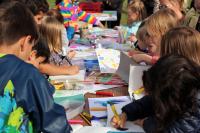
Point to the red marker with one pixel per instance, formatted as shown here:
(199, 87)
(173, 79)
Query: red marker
(104, 93)
(75, 122)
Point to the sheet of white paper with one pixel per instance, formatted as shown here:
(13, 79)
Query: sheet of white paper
(108, 60)
(80, 76)
(101, 103)
(92, 129)
(129, 125)
(85, 89)
(76, 127)
(124, 66)
(135, 79)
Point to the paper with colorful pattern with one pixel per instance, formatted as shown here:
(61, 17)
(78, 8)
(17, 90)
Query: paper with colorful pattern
(108, 60)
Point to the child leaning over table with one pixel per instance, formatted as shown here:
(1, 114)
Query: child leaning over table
(58, 64)
(26, 99)
(156, 26)
(176, 41)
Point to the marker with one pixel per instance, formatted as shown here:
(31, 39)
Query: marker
(104, 93)
(139, 91)
(75, 122)
(114, 111)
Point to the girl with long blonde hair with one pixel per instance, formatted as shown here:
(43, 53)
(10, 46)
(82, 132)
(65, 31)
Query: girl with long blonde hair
(51, 29)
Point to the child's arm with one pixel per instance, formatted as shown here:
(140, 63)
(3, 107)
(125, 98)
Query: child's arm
(145, 58)
(142, 58)
(139, 109)
(53, 70)
(86, 17)
(132, 52)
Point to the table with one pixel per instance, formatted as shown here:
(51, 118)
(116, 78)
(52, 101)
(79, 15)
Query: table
(119, 91)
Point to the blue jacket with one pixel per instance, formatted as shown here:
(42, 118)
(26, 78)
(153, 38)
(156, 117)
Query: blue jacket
(33, 93)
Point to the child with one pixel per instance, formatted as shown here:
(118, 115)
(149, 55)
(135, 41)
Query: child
(181, 40)
(40, 53)
(51, 29)
(175, 5)
(156, 26)
(72, 13)
(175, 96)
(136, 13)
(26, 99)
(192, 16)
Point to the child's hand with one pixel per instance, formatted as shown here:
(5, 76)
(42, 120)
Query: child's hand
(101, 25)
(132, 38)
(115, 123)
(142, 57)
(139, 122)
(72, 70)
(71, 54)
(132, 52)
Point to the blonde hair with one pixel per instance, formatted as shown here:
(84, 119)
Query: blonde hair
(139, 7)
(51, 29)
(141, 33)
(160, 22)
(183, 41)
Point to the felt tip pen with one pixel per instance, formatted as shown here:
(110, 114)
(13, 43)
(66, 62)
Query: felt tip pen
(138, 91)
(104, 93)
(75, 122)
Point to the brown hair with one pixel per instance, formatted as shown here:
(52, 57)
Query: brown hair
(160, 22)
(55, 13)
(51, 29)
(139, 7)
(182, 40)
(16, 21)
